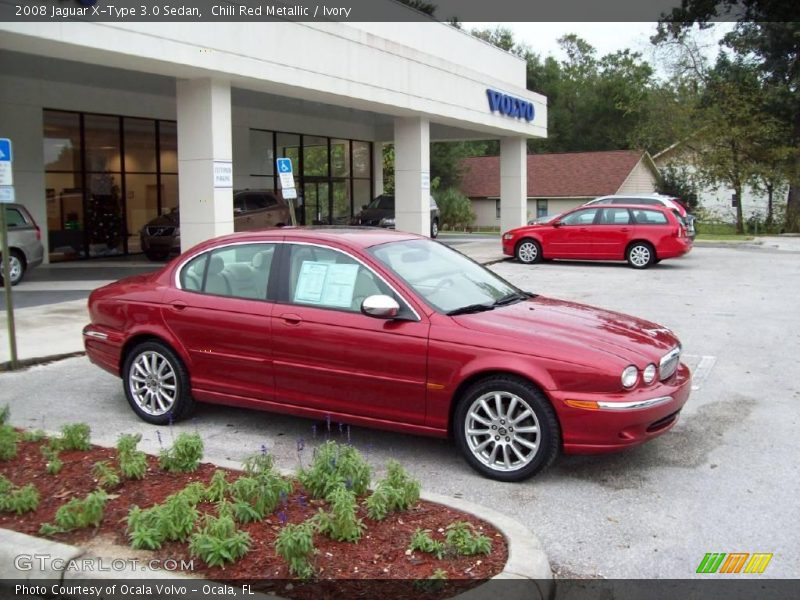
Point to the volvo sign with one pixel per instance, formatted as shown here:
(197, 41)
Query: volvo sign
(510, 106)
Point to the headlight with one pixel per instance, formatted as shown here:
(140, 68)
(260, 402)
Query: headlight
(649, 373)
(629, 376)
(508, 236)
(386, 222)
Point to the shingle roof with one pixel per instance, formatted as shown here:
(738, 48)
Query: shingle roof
(568, 175)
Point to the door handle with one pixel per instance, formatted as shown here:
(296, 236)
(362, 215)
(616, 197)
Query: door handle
(624, 230)
(291, 319)
(178, 304)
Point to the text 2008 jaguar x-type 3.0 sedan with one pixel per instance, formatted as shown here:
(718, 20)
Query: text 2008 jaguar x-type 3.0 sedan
(391, 330)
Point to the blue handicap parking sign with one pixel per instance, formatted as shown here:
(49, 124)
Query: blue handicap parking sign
(284, 165)
(5, 150)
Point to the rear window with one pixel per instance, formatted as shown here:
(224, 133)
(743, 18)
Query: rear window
(649, 201)
(15, 218)
(650, 217)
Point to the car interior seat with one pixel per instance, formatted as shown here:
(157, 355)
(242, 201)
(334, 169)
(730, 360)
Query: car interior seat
(216, 283)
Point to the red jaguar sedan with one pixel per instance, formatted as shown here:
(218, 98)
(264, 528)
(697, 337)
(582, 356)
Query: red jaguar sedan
(640, 234)
(389, 330)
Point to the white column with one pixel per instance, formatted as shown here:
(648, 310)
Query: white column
(23, 124)
(513, 183)
(412, 175)
(377, 169)
(204, 138)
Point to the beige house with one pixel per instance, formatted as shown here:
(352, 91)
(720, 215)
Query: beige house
(558, 182)
(717, 200)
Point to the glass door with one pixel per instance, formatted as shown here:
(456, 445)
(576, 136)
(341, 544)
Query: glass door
(316, 202)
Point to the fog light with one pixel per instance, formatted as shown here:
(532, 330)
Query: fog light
(629, 376)
(649, 373)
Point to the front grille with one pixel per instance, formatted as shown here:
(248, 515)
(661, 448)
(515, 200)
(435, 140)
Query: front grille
(160, 230)
(669, 363)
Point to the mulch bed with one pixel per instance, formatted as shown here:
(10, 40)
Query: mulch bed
(379, 560)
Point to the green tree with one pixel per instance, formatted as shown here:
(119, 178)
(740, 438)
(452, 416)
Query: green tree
(678, 182)
(767, 36)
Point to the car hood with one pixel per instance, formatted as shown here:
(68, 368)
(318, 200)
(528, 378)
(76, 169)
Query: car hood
(579, 325)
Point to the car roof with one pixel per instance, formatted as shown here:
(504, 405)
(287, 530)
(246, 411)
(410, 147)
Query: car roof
(358, 237)
(661, 207)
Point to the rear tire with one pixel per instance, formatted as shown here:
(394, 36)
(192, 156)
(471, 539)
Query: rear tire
(640, 255)
(506, 428)
(16, 267)
(435, 228)
(528, 251)
(156, 384)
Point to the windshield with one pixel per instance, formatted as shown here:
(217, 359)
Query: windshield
(382, 202)
(446, 279)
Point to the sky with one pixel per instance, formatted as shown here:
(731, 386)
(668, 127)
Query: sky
(605, 37)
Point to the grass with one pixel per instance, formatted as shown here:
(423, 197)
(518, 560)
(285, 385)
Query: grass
(723, 237)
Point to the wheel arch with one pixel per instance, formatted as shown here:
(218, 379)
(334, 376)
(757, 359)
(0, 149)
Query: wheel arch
(139, 338)
(646, 242)
(487, 374)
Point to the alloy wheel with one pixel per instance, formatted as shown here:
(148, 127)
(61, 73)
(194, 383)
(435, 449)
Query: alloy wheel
(14, 268)
(502, 431)
(528, 252)
(152, 383)
(640, 256)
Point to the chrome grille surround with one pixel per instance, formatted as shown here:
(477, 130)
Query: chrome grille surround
(669, 363)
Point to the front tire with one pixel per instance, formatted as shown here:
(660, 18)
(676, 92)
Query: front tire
(506, 428)
(16, 268)
(156, 384)
(528, 251)
(434, 228)
(640, 255)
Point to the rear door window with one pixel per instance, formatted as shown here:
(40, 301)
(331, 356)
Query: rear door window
(615, 216)
(15, 218)
(650, 217)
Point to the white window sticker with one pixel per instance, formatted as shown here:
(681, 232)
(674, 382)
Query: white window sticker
(326, 284)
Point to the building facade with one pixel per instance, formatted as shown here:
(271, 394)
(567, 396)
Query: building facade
(116, 123)
(557, 182)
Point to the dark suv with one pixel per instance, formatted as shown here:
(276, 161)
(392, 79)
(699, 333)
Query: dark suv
(380, 213)
(252, 209)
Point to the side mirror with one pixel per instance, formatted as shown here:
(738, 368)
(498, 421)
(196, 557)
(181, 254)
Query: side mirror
(364, 206)
(556, 223)
(237, 210)
(380, 307)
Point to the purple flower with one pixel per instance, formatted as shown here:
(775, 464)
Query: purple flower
(282, 517)
(314, 431)
(263, 448)
(301, 501)
(348, 483)
(283, 497)
(301, 443)
(348, 434)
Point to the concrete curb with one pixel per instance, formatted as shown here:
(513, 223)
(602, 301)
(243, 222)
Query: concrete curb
(527, 561)
(39, 360)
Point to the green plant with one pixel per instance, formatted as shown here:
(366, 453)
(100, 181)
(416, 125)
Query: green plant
(8, 441)
(33, 435)
(75, 436)
(255, 497)
(341, 522)
(184, 455)
(461, 537)
(217, 487)
(18, 500)
(50, 453)
(433, 583)
(132, 462)
(336, 465)
(258, 465)
(78, 514)
(193, 492)
(173, 520)
(295, 545)
(455, 209)
(5, 413)
(422, 541)
(218, 541)
(397, 491)
(105, 475)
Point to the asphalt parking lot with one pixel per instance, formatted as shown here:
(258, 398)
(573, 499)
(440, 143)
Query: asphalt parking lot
(725, 479)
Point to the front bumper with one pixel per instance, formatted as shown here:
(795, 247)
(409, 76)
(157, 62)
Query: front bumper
(623, 420)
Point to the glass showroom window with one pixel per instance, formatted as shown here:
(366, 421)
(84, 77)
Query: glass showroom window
(106, 176)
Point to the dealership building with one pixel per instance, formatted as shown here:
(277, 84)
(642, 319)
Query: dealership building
(113, 124)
